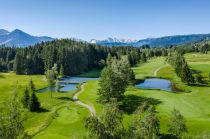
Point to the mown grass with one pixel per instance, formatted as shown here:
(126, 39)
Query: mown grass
(68, 123)
(8, 81)
(43, 124)
(89, 96)
(193, 103)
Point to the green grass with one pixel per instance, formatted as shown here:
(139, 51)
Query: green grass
(8, 82)
(95, 73)
(67, 124)
(194, 103)
(89, 96)
(42, 124)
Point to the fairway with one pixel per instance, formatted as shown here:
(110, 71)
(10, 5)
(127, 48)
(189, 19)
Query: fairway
(62, 118)
(193, 102)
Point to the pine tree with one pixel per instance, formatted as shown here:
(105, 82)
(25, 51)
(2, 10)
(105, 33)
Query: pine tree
(25, 98)
(31, 86)
(186, 74)
(18, 64)
(181, 67)
(34, 104)
(143, 58)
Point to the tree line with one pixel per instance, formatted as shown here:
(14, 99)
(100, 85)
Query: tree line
(73, 56)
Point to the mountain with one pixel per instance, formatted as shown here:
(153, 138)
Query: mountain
(3, 32)
(19, 38)
(113, 42)
(154, 42)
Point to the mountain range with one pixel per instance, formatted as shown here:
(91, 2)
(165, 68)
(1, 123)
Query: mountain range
(21, 39)
(154, 42)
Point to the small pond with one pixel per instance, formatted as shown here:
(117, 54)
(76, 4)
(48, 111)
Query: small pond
(155, 83)
(77, 79)
(69, 84)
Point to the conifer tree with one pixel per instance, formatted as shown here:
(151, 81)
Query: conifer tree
(31, 86)
(143, 58)
(25, 98)
(18, 64)
(34, 104)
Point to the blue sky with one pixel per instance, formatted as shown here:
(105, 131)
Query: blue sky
(99, 19)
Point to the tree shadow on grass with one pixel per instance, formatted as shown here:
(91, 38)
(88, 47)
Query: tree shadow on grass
(167, 136)
(65, 98)
(195, 71)
(204, 84)
(131, 102)
(42, 110)
(1, 76)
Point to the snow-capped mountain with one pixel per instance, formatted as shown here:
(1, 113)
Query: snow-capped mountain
(113, 41)
(153, 42)
(20, 39)
(3, 32)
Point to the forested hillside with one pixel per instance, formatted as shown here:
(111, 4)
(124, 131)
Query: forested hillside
(75, 57)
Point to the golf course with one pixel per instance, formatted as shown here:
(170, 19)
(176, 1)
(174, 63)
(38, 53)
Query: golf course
(63, 117)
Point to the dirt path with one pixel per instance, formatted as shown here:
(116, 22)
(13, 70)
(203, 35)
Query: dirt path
(75, 98)
(156, 71)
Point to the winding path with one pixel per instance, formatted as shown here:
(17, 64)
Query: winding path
(76, 100)
(155, 72)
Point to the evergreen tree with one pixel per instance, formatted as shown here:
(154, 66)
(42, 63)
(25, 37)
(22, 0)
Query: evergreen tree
(31, 86)
(143, 58)
(181, 67)
(34, 104)
(186, 74)
(18, 64)
(25, 98)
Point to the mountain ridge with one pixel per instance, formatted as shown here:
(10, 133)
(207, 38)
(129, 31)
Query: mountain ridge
(19, 38)
(157, 42)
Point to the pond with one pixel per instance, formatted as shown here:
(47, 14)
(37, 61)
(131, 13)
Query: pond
(77, 79)
(69, 84)
(156, 83)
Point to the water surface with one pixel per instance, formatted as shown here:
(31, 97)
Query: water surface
(69, 83)
(155, 83)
